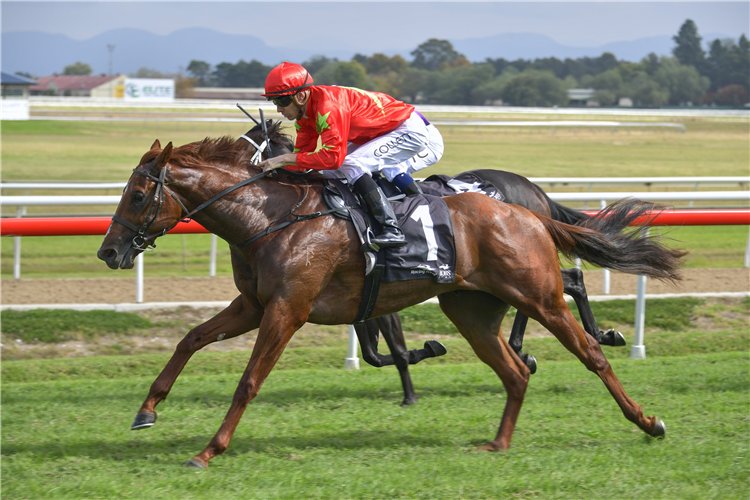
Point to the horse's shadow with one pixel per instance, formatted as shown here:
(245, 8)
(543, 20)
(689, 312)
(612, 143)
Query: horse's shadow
(133, 450)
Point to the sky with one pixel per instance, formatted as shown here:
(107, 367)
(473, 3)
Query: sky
(379, 26)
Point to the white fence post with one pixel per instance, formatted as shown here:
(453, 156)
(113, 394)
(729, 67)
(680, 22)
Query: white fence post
(139, 279)
(352, 361)
(605, 272)
(212, 263)
(638, 351)
(20, 211)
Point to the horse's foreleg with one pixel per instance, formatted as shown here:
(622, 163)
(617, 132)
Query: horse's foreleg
(558, 320)
(478, 317)
(239, 317)
(280, 321)
(573, 286)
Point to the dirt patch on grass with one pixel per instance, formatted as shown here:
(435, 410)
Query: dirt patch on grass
(121, 290)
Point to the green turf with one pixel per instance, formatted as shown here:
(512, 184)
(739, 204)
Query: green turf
(331, 433)
(56, 325)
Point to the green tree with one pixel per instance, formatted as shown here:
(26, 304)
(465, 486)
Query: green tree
(535, 88)
(77, 68)
(351, 74)
(145, 72)
(242, 74)
(646, 92)
(688, 49)
(683, 82)
(317, 63)
(201, 72)
(457, 85)
(433, 53)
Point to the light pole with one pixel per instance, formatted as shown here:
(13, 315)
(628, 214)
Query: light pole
(111, 49)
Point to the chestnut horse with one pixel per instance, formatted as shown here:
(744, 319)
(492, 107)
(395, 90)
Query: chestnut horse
(313, 271)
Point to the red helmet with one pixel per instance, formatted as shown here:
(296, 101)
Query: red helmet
(287, 78)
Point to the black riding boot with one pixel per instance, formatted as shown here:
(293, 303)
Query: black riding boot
(380, 207)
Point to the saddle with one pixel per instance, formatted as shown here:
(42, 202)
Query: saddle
(430, 252)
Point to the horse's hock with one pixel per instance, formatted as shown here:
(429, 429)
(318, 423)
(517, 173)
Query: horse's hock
(222, 289)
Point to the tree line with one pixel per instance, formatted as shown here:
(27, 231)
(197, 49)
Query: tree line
(439, 74)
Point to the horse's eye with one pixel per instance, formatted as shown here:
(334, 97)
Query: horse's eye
(138, 197)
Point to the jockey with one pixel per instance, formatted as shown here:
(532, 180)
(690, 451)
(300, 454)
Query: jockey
(360, 132)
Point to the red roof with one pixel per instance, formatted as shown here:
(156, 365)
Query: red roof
(73, 82)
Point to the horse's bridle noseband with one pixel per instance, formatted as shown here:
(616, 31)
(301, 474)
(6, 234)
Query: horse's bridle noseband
(143, 241)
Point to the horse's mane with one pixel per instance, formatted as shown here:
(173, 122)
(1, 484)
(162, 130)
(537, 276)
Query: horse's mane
(224, 150)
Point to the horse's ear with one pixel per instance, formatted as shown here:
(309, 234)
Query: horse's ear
(156, 144)
(164, 156)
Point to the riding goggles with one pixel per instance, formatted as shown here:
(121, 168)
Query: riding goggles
(283, 101)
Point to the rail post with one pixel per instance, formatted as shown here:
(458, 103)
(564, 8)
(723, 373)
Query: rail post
(17, 247)
(139, 279)
(212, 263)
(638, 351)
(605, 271)
(352, 361)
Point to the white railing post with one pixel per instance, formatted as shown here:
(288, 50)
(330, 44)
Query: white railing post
(212, 263)
(638, 351)
(747, 251)
(605, 272)
(139, 279)
(352, 361)
(17, 248)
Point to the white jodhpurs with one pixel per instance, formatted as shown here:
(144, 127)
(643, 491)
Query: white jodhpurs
(411, 146)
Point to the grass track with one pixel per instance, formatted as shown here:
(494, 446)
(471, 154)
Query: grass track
(330, 433)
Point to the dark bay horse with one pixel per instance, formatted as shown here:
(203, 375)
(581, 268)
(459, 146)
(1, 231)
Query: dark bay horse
(313, 271)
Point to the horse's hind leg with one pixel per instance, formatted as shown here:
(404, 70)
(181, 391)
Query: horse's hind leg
(516, 340)
(573, 286)
(478, 317)
(557, 318)
(239, 317)
(390, 326)
(367, 333)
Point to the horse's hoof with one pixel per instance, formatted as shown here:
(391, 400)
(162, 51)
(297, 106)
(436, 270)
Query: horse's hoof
(660, 430)
(409, 401)
(142, 421)
(435, 348)
(613, 338)
(196, 464)
(530, 362)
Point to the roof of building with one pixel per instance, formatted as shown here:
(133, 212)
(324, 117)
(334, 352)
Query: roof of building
(72, 82)
(13, 79)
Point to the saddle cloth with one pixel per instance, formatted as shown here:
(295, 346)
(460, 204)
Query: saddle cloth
(430, 251)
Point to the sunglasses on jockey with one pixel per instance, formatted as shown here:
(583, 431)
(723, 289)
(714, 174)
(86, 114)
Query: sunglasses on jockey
(283, 101)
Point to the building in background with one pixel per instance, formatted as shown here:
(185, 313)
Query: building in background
(15, 96)
(79, 86)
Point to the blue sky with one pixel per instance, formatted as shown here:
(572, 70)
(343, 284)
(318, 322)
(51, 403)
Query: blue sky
(379, 26)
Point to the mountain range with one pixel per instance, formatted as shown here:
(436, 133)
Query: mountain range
(42, 54)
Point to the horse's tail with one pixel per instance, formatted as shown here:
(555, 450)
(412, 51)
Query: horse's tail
(561, 213)
(604, 241)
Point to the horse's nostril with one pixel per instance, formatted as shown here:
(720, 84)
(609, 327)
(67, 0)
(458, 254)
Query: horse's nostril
(106, 255)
